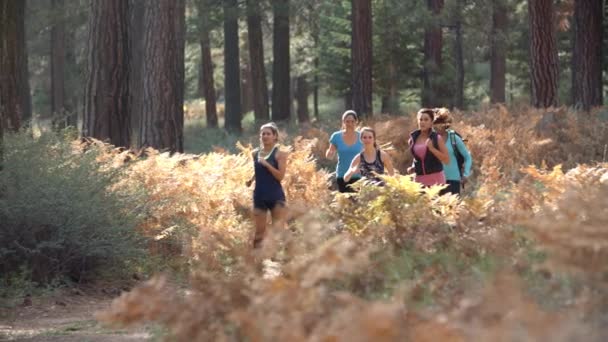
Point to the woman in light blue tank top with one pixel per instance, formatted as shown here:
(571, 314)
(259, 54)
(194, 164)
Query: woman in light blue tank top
(346, 144)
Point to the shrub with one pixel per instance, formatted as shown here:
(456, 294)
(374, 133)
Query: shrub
(58, 216)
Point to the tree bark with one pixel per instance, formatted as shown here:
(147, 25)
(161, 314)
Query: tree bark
(14, 84)
(498, 52)
(246, 86)
(22, 64)
(281, 108)
(390, 100)
(587, 54)
(388, 75)
(315, 86)
(136, 61)
(433, 42)
(232, 81)
(459, 57)
(162, 123)
(207, 82)
(73, 99)
(361, 54)
(301, 95)
(58, 56)
(256, 60)
(106, 113)
(544, 64)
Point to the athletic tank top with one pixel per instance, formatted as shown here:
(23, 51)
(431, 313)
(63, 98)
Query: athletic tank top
(367, 169)
(267, 187)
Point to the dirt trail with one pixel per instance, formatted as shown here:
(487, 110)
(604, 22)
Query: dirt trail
(63, 318)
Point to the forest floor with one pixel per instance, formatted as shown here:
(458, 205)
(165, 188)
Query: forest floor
(66, 315)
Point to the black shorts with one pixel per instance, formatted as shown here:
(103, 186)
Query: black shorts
(343, 186)
(453, 187)
(267, 204)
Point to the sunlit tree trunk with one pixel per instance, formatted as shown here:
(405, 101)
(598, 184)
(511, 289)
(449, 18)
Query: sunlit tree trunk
(136, 64)
(301, 96)
(162, 122)
(544, 64)
(459, 56)
(106, 112)
(498, 52)
(390, 101)
(281, 93)
(587, 54)
(362, 57)
(206, 79)
(232, 82)
(246, 85)
(315, 86)
(14, 83)
(433, 42)
(256, 60)
(58, 61)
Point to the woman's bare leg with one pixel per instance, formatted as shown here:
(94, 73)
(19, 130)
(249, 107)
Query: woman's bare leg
(259, 218)
(279, 215)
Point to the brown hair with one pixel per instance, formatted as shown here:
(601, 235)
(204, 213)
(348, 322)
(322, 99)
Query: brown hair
(347, 114)
(273, 127)
(429, 111)
(372, 131)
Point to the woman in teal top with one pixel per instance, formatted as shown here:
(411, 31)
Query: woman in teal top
(454, 174)
(346, 143)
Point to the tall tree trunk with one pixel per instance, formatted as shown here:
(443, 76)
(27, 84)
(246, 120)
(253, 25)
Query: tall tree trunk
(459, 57)
(246, 86)
(498, 52)
(361, 54)
(390, 100)
(315, 85)
(587, 54)
(292, 95)
(207, 83)
(348, 100)
(390, 75)
(315, 90)
(24, 75)
(544, 64)
(281, 106)
(106, 114)
(14, 84)
(58, 56)
(232, 82)
(7, 77)
(136, 62)
(302, 99)
(73, 99)
(433, 42)
(162, 123)
(256, 59)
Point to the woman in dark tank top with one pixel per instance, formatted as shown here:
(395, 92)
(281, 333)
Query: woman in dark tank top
(269, 164)
(372, 161)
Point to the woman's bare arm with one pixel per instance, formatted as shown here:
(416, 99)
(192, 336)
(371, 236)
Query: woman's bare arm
(354, 168)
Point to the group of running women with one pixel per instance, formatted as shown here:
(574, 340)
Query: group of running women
(359, 157)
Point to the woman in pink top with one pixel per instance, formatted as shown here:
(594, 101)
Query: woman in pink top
(429, 151)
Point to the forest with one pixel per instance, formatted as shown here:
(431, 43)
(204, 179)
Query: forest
(127, 129)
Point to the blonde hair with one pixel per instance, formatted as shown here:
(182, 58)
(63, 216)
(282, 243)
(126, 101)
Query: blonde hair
(442, 116)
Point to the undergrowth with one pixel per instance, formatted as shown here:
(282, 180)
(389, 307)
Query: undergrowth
(520, 257)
